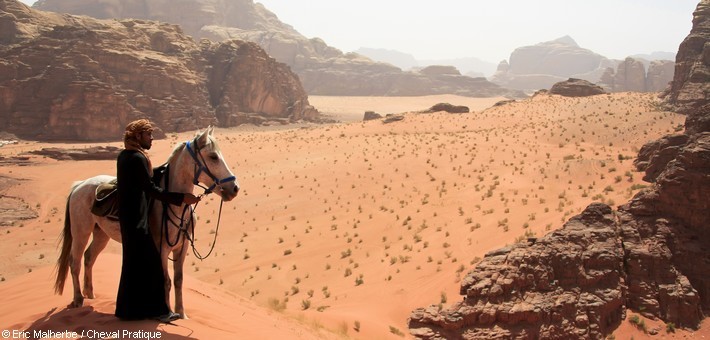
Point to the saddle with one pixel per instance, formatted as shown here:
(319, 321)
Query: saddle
(106, 202)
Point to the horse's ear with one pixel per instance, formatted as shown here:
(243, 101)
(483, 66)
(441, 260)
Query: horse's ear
(210, 129)
(202, 138)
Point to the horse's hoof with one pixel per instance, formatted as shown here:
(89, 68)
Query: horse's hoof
(76, 304)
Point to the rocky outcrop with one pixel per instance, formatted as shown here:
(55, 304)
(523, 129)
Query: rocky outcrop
(651, 255)
(440, 70)
(691, 81)
(13, 210)
(446, 107)
(576, 88)
(655, 156)
(90, 153)
(323, 70)
(69, 77)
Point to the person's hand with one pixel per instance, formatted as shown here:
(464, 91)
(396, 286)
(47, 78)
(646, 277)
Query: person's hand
(190, 199)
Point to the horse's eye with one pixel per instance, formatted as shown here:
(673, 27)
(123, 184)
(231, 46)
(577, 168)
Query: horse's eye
(214, 157)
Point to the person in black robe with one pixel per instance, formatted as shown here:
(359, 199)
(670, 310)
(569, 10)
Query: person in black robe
(141, 290)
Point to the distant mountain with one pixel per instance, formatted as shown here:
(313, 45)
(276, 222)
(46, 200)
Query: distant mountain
(396, 58)
(472, 67)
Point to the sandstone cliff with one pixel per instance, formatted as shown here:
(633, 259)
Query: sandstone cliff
(691, 81)
(650, 255)
(540, 66)
(69, 77)
(631, 75)
(323, 70)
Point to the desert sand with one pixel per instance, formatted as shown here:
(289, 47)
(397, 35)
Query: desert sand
(341, 230)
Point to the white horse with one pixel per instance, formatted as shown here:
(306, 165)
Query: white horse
(191, 163)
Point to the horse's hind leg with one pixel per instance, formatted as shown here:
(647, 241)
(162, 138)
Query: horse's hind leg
(77, 247)
(98, 243)
(80, 237)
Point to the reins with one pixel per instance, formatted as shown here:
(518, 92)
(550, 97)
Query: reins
(200, 166)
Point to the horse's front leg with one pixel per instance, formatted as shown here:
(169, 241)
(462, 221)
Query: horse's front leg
(165, 251)
(179, 255)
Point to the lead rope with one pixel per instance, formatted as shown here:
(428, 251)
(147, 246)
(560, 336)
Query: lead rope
(182, 228)
(214, 241)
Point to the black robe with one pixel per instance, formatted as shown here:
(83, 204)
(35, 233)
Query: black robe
(141, 291)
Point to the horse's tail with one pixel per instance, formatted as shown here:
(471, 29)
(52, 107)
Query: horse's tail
(65, 256)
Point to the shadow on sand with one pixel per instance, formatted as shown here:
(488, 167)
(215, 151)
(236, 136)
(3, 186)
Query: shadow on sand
(88, 323)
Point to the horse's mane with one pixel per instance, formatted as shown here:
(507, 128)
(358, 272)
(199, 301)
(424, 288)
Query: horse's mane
(211, 142)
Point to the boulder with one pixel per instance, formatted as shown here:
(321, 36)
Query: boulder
(371, 115)
(576, 88)
(446, 107)
(391, 118)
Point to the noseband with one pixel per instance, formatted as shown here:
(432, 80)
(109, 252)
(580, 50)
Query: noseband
(201, 166)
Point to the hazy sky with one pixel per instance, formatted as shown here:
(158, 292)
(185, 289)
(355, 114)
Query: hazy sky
(489, 30)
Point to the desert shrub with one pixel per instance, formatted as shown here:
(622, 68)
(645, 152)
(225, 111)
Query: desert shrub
(670, 327)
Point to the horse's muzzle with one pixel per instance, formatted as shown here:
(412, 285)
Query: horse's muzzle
(229, 191)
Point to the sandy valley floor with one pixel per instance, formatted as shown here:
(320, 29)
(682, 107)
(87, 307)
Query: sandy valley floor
(341, 230)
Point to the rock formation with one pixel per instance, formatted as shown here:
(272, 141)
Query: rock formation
(540, 66)
(691, 81)
(323, 70)
(651, 256)
(631, 75)
(69, 77)
(659, 75)
(576, 88)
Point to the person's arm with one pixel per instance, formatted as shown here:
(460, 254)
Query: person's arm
(143, 177)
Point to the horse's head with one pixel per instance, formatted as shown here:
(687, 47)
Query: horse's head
(212, 170)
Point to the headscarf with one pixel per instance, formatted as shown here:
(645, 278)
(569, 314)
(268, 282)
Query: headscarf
(130, 138)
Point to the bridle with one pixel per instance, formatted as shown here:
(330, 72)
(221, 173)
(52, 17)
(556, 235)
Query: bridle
(200, 166)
